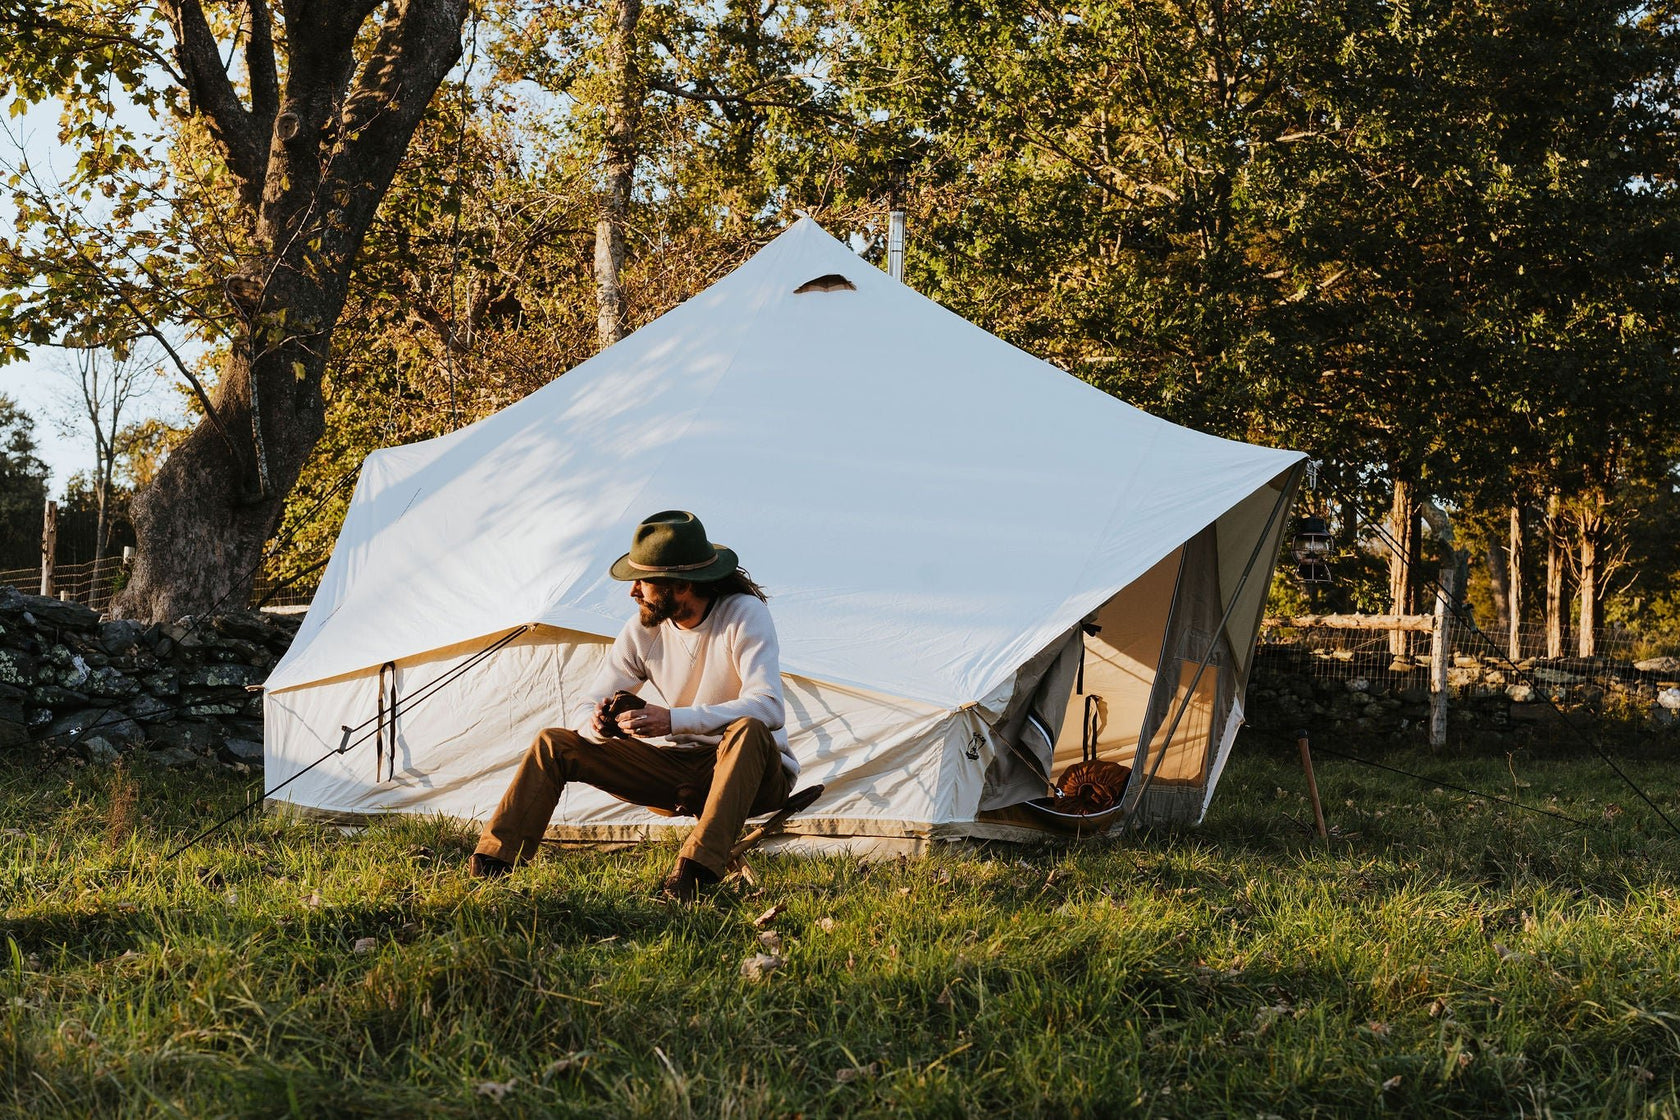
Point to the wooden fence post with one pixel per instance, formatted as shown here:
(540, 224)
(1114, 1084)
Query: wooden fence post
(1439, 652)
(49, 546)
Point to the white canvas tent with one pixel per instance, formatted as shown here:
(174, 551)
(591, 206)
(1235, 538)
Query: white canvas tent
(933, 511)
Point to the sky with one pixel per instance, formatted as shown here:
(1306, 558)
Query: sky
(44, 386)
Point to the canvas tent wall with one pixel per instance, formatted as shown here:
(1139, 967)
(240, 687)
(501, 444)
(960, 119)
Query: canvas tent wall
(933, 511)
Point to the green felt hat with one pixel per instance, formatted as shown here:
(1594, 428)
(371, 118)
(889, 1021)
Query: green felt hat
(673, 545)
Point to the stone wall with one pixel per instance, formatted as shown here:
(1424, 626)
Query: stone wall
(1377, 696)
(176, 694)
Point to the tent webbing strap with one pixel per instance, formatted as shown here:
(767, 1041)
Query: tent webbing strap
(387, 696)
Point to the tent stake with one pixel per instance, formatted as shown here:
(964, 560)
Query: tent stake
(1312, 783)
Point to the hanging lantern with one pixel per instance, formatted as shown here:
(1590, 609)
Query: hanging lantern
(1312, 550)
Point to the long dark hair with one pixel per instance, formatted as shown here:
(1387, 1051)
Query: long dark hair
(738, 582)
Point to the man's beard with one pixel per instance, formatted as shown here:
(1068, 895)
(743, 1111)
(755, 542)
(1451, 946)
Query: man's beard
(655, 611)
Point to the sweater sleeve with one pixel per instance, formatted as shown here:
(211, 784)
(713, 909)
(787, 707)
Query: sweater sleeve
(622, 668)
(758, 663)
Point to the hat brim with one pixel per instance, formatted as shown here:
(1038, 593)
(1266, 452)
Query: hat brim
(722, 565)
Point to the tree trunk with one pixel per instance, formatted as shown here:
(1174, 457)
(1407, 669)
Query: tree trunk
(102, 501)
(1555, 561)
(1590, 525)
(1514, 583)
(203, 521)
(623, 113)
(309, 166)
(1402, 526)
(1499, 583)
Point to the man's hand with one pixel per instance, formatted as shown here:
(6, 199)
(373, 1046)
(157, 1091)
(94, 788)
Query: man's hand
(645, 723)
(602, 726)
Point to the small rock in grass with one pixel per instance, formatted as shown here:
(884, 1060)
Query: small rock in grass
(759, 966)
(365, 944)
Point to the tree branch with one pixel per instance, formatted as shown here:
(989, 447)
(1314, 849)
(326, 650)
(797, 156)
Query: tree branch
(412, 56)
(212, 92)
(714, 97)
(259, 60)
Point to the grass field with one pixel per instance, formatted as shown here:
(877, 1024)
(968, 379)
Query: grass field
(1445, 955)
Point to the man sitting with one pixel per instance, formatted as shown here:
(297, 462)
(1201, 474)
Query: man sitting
(703, 638)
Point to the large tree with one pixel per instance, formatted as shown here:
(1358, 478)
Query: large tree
(293, 121)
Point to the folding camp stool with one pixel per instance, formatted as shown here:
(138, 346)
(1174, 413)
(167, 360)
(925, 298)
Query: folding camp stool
(797, 802)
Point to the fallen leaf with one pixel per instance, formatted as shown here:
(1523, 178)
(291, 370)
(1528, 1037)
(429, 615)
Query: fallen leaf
(571, 1063)
(1378, 1028)
(903, 890)
(231, 897)
(826, 924)
(760, 965)
(771, 940)
(496, 1090)
(769, 915)
(313, 901)
(853, 1073)
(367, 945)
(1642, 1075)
(1392, 1083)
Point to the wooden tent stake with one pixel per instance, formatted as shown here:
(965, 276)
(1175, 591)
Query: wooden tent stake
(1312, 783)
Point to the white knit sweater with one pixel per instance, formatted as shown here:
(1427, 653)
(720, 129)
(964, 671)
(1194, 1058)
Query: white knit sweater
(724, 669)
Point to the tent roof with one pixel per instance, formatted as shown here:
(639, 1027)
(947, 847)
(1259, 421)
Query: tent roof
(926, 504)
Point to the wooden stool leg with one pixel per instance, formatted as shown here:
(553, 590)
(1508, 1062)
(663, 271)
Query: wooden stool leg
(1312, 784)
(797, 803)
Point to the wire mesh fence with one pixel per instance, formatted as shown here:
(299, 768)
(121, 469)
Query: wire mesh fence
(95, 583)
(92, 584)
(1393, 660)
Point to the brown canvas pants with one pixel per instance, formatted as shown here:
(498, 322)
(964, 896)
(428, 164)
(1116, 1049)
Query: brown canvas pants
(741, 777)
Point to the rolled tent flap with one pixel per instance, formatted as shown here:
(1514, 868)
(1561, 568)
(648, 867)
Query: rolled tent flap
(930, 509)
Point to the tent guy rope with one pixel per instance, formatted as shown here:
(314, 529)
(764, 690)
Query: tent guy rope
(424, 692)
